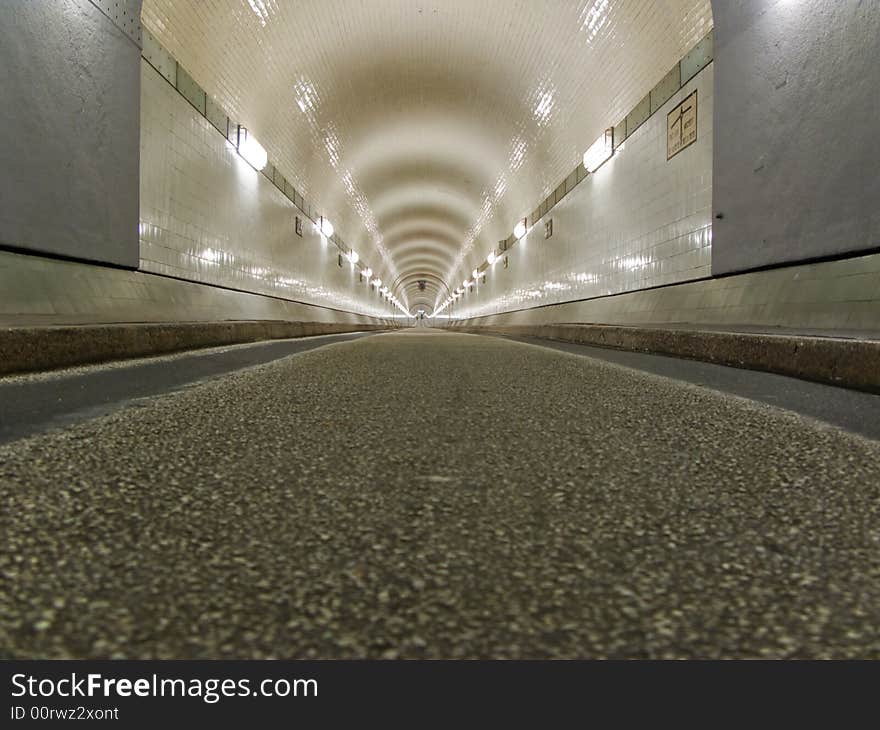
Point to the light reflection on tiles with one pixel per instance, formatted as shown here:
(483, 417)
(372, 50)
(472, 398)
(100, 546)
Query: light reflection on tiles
(207, 216)
(639, 222)
(528, 87)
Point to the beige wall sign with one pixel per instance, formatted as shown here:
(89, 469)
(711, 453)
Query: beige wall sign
(681, 126)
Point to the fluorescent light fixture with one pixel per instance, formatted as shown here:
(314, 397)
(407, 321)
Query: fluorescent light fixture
(491, 258)
(353, 256)
(326, 227)
(368, 272)
(600, 151)
(252, 151)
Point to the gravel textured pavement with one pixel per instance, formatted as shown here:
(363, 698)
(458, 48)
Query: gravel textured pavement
(425, 494)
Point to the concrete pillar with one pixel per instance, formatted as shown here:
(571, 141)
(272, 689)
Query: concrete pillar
(797, 119)
(70, 121)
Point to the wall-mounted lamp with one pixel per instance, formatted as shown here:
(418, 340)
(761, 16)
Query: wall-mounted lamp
(600, 151)
(520, 229)
(252, 151)
(491, 258)
(368, 272)
(353, 256)
(326, 227)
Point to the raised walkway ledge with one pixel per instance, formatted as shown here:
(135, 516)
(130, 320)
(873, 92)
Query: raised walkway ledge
(851, 362)
(25, 349)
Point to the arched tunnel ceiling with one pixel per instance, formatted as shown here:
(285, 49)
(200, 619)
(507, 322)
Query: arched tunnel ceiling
(425, 130)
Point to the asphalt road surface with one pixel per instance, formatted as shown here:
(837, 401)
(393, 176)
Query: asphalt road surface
(426, 494)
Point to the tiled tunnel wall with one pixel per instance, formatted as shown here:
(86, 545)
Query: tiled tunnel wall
(42, 291)
(627, 247)
(654, 264)
(207, 216)
(833, 297)
(640, 221)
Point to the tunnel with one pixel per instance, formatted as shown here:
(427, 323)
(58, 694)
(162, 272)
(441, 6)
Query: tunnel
(396, 329)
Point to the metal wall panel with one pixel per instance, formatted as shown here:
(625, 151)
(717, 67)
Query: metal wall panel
(698, 58)
(664, 90)
(159, 58)
(215, 114)
(125, 14)
(190, 90)
(639, 114)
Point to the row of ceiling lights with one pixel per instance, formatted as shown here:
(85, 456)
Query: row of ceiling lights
(255, 155)
(596, 155)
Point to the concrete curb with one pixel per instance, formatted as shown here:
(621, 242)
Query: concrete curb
(849, 363)
(44, 348)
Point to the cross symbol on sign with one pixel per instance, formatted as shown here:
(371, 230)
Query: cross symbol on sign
(681, 126)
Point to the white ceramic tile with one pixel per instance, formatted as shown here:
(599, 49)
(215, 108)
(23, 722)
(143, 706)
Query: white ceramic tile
(833, 297)
(640, 221)
(208, 216)
(427, 130)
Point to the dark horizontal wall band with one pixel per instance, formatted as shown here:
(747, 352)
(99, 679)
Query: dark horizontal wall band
(20, 251)
(45, 348)
(848, 363)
